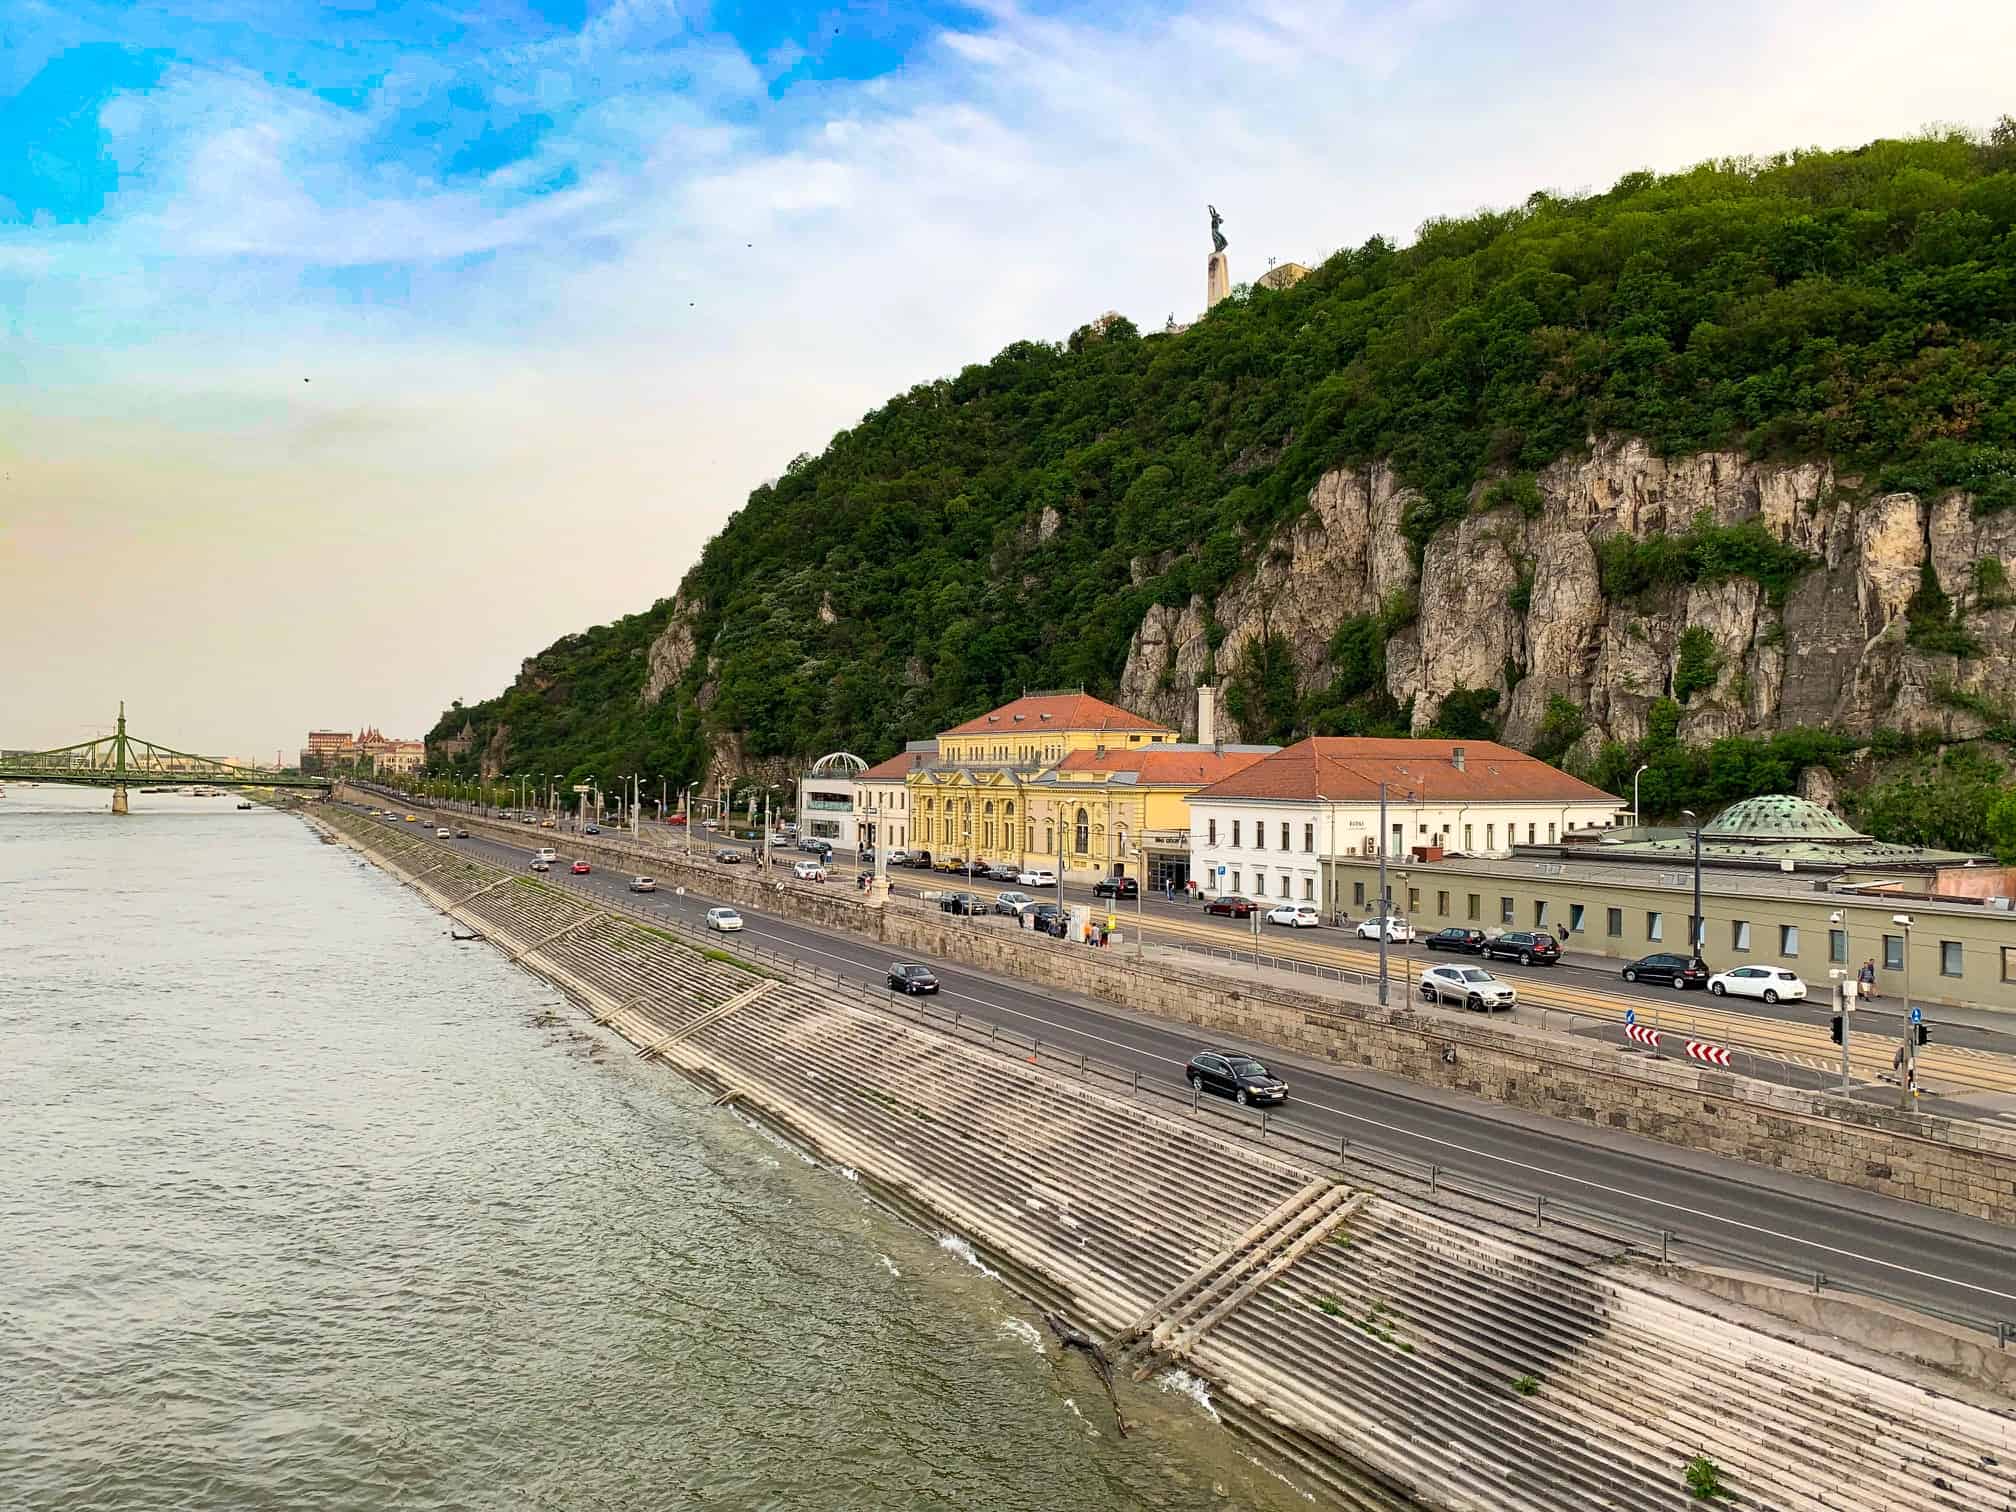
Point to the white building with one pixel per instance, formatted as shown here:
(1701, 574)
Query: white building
(826, 799)
(1267, 831)
(882, 802)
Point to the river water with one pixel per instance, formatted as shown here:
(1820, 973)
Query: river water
(303, 1205)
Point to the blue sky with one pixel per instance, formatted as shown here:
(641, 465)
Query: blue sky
(542, 288)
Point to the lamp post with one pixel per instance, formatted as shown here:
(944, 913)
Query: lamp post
(1699, 926)
(1406, 940)
(1844, 993)
(1637, 814)
(1908, 1056)
(1385, 899)
(686, 808)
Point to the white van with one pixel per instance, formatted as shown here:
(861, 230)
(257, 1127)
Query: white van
(548, 854)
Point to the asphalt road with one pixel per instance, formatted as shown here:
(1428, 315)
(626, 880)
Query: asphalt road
(1897, 1248)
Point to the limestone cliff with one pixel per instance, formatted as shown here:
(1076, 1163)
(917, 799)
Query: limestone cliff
(1834, 653)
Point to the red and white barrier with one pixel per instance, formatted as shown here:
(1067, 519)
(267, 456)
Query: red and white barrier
(1701, 1050)
(1643, 1035)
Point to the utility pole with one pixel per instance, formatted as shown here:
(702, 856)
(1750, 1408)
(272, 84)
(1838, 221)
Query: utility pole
(1385, 901)
(1699, 926)
(1908, 1056)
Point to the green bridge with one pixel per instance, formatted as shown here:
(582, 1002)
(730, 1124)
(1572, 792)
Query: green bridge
(113, 761)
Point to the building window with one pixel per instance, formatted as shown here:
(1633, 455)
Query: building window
(1476, 908)
(1893, 952)
(1788, 941)
(1210, 831)
(1308, 889)
(1950, 958)
(1441, 905)
(1504, 910)
(2009, 963)
(1413, 900)
(1235, 834)
(1576, 918)
(1084, 835)
(1550, 831)
(1532, 832)
(1235, 881)
(1655, 927)
(1539, 914)
(1309, 837)
(1837, 946)
(1739, 934)
(1468, 836)
(1399, 839)
(1049, 836)
(1613, 923)
(1490, 837)
(1357, 894)
(1259, 834)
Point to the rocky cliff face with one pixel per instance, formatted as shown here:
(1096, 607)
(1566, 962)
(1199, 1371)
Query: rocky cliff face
(1834, 654)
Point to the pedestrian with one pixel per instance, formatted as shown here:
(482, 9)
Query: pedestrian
(1867, 978)
(1562, 930)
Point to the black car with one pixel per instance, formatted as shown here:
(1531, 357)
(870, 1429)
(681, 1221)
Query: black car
(1116, 887)
(960, 903)
(1456, 937)
(461, 834)
(1047, 917)
(728, 857)
(1236, 1075)
(1524, 946)
(1674, 970)
(920, 859)
(906, 977)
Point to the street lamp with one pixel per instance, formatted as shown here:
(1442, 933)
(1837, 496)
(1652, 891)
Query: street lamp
(1700, 925)
(686, 808)
(1908, 1057)
(1844, 993)
(1637, 815)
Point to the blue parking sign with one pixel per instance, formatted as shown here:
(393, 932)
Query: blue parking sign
(1917, 1015)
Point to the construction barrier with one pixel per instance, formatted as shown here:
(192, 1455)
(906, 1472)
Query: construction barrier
(1701, 1050)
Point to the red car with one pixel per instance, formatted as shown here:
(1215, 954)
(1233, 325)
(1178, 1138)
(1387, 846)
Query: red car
(580, 868)
(1232, 906)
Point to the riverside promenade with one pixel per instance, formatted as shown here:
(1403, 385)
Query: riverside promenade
(1388, 1346)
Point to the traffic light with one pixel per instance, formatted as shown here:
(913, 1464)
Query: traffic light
(1836, 1030)
(1924, 1034)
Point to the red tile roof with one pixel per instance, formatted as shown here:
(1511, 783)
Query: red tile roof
(1157, 765)
(1351, 769)
(1055, 711)
(895, 769)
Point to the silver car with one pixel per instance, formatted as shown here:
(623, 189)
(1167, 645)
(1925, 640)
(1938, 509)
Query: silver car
(1471, 986)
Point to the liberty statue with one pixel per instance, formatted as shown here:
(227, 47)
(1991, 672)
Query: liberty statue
(1217, 236)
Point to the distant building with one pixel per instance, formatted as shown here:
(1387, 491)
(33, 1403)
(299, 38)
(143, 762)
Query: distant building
(1282, 276)
(329, 749)
(826, 800)
(882, 796)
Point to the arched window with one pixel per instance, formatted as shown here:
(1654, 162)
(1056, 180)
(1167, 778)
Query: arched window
(987, 827)
(1084, 835)
(1049, 839)
(1120, 840)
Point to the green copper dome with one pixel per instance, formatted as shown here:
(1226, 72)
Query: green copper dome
(1779, 816)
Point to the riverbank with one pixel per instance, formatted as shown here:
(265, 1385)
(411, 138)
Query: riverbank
(1389, 1345)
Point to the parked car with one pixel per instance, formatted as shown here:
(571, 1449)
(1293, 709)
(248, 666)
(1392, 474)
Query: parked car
(727, 855)
(959, 903)
(579, 868)
(643, 884)
(1525, 946)
(443, 834)
(1472, 986)
(1036, 876)
(1232, 906)
(1004, 871)
(1046, 917)
(1771, 983)
(816, 846)
(907, 976)
(1116, 887)
(809, 871)
(723, 919)
(1012, 903)
(1294, 915)
(1457, 938)
(1235, 1075)
(921, 859)
(898, 856)
(1398, 930)
(1674, 970)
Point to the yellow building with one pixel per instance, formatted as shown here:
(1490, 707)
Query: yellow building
(1066, 781)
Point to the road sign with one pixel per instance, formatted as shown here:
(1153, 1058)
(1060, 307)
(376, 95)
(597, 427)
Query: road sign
(1714, 1055)
(1630, 1015)
(1917, 1015)
(1221, 871)
(1642, 1035)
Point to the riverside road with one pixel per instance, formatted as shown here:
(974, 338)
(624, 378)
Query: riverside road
(1936, 1259)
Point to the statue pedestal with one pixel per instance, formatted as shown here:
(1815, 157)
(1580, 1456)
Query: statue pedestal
(1217, 279)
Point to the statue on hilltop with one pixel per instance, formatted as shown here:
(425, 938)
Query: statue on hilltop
(1217, 236)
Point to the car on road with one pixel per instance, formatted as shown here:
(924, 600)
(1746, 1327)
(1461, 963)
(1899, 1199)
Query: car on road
(538, 865)
(723, 919)
(579, 868)
(920, 859)
(1525, 946)
(1036, 876)
(1233, 1074)
(443, 834)
(1774, 984)
(1004, 871)
(588, 829)
(814, 846)
(1471, 986)
(1457, 938)
(908, 976)
(1398, 930)
(809, 871)
(1674, 970)
(545, 824)
(1294, 915)
(547, 853)
(1012, 903)
(1116, 887)
(1232, 906)
(644, 884)
(728, 856)
(898, 856)
(461, 834)
(411, 820)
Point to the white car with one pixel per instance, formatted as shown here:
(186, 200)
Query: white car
(899, 856)
(643, 884)
(1037, 876)
(1772, 983)
(809, 871)
(1398, 931)
(547, 854)
(1294, 915)
(1472, 986)
(723, 919)
(442, 834)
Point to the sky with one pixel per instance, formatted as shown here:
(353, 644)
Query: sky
(352, 352)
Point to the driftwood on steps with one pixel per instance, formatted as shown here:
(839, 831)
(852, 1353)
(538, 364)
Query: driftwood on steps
(1072, 1338)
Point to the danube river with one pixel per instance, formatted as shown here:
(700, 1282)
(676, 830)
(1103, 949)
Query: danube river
(304, 1205)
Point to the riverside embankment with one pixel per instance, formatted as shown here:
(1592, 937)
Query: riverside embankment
(1957, 1165)
(1392, 1342)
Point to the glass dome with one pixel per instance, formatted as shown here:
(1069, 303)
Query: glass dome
(1779, 816)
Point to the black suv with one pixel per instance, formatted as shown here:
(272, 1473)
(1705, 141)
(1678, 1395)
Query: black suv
(1116, 887)
(1674, 970)
(1456, 937)
(1524, 946)
(1233, 1074)
(905, 977)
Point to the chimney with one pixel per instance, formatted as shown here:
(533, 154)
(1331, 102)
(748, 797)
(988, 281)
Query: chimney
(1456, 757)
(1207, 716)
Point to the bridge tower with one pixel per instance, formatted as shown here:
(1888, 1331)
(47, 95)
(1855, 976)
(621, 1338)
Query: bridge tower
(119, 763)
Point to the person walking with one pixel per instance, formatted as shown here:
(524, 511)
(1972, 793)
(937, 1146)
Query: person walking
(1562, 929)
(1866, 977)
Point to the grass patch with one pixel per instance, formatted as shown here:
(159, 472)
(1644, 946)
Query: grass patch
(1704, 1480)
(1526, 1385)
(1330, 1306)
(731, 960)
